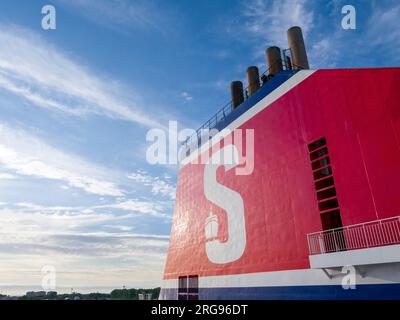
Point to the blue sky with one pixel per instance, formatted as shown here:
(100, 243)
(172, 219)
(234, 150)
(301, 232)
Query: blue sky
(76, 103)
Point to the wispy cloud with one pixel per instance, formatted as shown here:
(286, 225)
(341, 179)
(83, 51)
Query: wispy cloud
(384, 29)
(158, 185)
(355, 48)
(29, 156)
(270, 19)
(158, 209)
(186, 96)
(263, 23)
(152, 208)
(31, 218)
(31, 239)
(324, 53)
(124, 15)
(7, 176)
(37, 71)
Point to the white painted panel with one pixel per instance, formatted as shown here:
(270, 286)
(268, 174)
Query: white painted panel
(387, 254)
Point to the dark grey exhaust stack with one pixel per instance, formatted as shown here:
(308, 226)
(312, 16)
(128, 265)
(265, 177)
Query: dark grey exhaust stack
(253, 79)
(237, 93)
(274, 60)
(297, 48)
(296, 60)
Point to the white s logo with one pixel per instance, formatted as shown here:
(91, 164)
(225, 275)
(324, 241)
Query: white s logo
(231, 202)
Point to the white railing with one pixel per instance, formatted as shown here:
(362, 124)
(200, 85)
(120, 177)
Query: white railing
(358, 236)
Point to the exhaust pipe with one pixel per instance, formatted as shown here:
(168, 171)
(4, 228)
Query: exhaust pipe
(237, 93)
(298, 60)
(253, 79)
(274, 60)
(297, 48)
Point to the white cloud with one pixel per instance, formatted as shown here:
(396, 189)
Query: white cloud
(157, 184)
(124, 15)
(267, 21)
(35, 70)
(32, 236)
(163, 188)
(152, 208)
(384, 29)
(186, 96)
(158, 209)
(355, 48)
(263, 23)
(30, 219)
(29, 156)
(119, 227)
(324, 53)
(134, 205)
(7, 176)
(27, 219)
(141, 176)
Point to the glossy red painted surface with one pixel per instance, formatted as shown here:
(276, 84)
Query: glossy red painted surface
(358, 111)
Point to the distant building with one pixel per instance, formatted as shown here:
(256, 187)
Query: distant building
(51, 294)
(8, 298)
(145, 296)
(35, 294)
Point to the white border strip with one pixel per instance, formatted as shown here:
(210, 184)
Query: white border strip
(259, 106)
(385, 254)
(374, 274)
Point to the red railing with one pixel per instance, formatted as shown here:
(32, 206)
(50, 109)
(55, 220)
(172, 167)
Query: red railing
(358, 236)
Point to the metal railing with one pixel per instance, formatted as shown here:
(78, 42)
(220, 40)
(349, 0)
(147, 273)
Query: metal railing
(376, 233)
(287, 64)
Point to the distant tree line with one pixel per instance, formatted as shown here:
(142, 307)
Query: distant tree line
(133, 294)
(116, 294)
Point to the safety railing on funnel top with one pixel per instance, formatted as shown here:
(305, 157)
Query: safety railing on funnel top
(286, 60)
